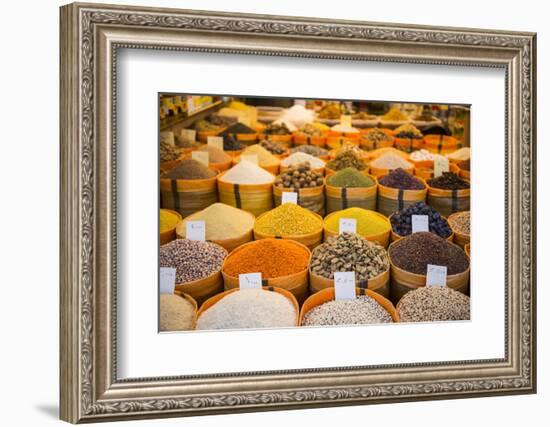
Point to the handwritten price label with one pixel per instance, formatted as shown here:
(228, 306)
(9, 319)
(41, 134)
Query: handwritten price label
(348, 225)
(167, 280)
(195, 230)
(344, 285)
(250, 281)
(216, 142)
(441, 164)
(436, 275)
(289, 197)
(420, 223)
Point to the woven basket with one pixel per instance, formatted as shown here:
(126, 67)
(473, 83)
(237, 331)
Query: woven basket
(391, 200)
(213, 300)
(328, 294)
(188, 196)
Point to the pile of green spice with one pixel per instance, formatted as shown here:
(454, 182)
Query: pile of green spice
(346, 159)
(413, 254)
(350, 178)
(288, 220)
(189, 169)
(448, 181)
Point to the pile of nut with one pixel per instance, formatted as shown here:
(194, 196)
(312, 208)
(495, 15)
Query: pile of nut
(433, 304)
(168, 152)
(349, 252)
(299, 176)
(361, 311)
(272, 147)
(192, 259)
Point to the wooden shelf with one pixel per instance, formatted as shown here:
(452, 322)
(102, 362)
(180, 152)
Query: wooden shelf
(183, 122)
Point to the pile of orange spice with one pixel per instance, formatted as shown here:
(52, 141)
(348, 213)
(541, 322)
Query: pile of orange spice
(271, 257)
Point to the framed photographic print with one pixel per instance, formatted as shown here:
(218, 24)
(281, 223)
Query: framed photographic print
(267, 212)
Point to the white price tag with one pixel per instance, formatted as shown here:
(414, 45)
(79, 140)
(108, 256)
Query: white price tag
(344, 285)
(200, 156)
(216, 142)
(420, 223)
(190, 105)
(167, 280)
(253, 158)
(345, 120)
(441, 164)
(195, 230)
(436, 275)
(168, 137)
(348, 225)
(289, 197)
(188, 135)
(250, 281)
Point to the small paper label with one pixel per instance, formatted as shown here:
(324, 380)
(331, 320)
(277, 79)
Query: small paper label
(200, 156)
(190, 105)
(301, 102)
(420, 223)
(289, 197)
(188, 135)
(441, 164)
(436, 275)
(168, 137)
(250, 281)
(167, 279)
(345, 120)
(348, 225)
(195, 230)
(216, 142)
(344, 285)
(253, 158)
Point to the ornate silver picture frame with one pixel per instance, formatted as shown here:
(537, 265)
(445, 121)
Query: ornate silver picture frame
(90, 37)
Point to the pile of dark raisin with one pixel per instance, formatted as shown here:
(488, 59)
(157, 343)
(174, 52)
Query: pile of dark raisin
(401, 221)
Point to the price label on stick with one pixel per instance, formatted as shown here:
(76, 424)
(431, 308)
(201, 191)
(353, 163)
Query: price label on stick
(167, 280)
(168, 137)
(348, 225)
(436, 275)
(216, 142)
(420, 223)
(195, 230)
(289, 197)
(200, 156)
(188, 135)
(441, 164)
(250, 281)
(253, 158)
(344, 285)
(345, 120)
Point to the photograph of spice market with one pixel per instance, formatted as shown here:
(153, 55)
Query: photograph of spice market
(283, 212)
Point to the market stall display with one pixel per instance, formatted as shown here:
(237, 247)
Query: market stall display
(305, 193)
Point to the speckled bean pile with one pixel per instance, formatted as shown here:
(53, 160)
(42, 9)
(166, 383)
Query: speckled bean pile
(433, 304)
(361, 311)
(193, 260)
